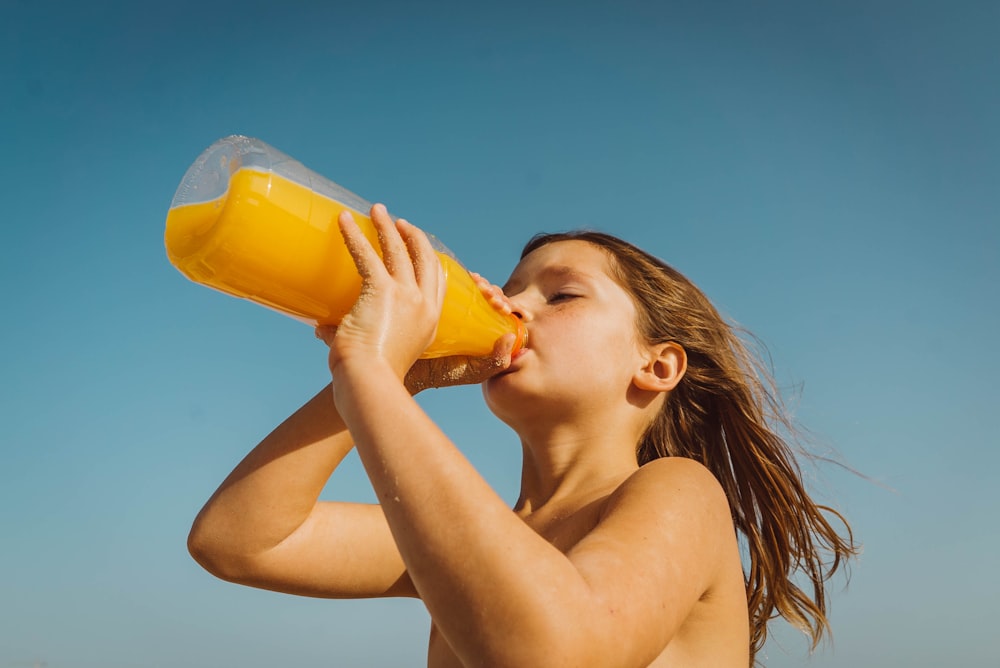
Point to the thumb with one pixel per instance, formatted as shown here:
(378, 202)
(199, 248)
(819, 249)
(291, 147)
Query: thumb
(499, 359)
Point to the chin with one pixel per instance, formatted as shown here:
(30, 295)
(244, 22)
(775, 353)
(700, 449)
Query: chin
(502, 395)
(512, 403)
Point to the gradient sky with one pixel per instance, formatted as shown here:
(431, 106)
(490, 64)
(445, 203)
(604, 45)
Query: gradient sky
(828, 172)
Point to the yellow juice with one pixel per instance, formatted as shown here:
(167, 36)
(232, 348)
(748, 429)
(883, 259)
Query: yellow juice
(276, 242)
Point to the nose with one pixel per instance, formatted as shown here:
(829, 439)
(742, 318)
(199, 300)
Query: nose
(518, 308)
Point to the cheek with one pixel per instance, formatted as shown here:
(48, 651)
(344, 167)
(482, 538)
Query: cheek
(595, 351)
(567, 338)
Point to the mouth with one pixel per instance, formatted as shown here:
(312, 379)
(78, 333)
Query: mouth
(515, 356)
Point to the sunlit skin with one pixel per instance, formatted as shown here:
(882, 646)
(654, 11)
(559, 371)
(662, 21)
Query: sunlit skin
(600, 563)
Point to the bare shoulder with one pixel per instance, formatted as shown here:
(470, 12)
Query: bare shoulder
(663, 562)
(672, 484)
(675, 511)
(671, 507)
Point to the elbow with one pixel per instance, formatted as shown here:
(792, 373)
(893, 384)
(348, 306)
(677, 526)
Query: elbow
(205, 551)
(215, 554)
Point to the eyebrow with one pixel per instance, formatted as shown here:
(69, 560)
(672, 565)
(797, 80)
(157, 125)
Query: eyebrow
(554, 271)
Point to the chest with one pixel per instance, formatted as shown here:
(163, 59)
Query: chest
(564, 529)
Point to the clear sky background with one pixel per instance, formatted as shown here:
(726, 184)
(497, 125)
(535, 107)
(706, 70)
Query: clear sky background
(828, 172)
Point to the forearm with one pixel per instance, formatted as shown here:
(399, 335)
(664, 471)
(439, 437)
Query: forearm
(276, 486)
(484, 575)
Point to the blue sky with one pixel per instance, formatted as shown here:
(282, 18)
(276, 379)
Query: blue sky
(827, 172)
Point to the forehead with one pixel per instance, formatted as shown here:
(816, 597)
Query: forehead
(562, 258)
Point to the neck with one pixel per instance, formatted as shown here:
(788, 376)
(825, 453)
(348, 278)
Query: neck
(566, 468)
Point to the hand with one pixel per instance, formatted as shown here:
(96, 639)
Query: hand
(396, 314)
(458, 369)
(462, 369)
(493, 293)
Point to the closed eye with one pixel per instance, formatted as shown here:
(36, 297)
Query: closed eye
(560, 296)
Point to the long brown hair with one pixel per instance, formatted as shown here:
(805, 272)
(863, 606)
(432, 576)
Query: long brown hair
(727, 414)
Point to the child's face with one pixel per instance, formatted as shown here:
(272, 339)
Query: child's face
(583, 347)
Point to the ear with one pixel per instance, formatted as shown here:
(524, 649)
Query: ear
(663, 368)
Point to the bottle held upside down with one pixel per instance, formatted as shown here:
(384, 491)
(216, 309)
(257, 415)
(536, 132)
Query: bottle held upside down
(253, 223)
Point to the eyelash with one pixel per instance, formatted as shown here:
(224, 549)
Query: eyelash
(559, 296)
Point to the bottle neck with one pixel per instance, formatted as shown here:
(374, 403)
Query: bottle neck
(521, 335)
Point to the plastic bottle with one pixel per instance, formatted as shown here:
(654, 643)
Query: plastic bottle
(254, 223)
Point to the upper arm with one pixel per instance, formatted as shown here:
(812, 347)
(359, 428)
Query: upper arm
(343, 550)
(657, 551)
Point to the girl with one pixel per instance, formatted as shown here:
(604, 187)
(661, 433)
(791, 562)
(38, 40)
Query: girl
(647, 453)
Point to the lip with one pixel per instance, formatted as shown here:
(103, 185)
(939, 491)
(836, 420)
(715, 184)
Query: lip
(513, 363)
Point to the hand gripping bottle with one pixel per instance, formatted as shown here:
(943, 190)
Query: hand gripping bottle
(254, 223)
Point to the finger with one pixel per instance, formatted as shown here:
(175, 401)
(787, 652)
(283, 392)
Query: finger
(325, 333)
(499, 300)
(493, 294)
(364, 255)
(503, 348)
(395, 255)
(482, 368)
(480, 282)
(427, 268)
